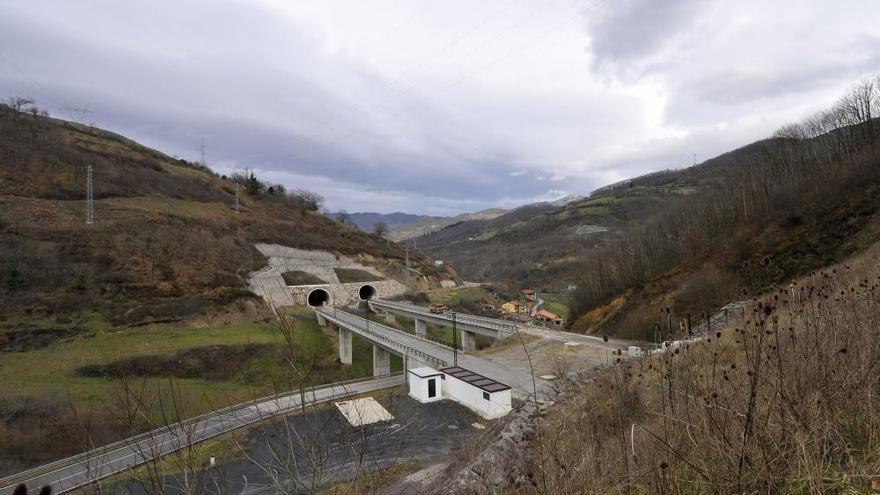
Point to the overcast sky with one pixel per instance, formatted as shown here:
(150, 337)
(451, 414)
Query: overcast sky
(439, 106)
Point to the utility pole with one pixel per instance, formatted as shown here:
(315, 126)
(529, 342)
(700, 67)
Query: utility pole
(454, 342)
(90, 197)
(202, 149)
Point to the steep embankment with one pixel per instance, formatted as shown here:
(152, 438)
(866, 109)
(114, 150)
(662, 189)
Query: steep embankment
(166, 243)
(782, 400)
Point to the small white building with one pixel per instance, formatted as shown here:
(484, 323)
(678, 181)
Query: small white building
(485, 396)
(425, 384)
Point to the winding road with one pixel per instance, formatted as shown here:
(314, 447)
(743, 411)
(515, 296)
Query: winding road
(86, 468)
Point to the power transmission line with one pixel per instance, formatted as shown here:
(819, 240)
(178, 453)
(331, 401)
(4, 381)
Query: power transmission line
(45, 92)
(470, 52)
(482, 69)
(423, 99)
(335, 116)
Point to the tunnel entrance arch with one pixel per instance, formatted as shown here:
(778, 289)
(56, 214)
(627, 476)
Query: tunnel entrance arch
(367, 292)
(318, 297)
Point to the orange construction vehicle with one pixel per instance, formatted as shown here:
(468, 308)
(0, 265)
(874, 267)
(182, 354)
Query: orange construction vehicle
(438, 308)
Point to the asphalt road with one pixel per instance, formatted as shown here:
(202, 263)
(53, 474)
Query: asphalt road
(518, 377)
(92, 466)
(86, 468)
(508, 327)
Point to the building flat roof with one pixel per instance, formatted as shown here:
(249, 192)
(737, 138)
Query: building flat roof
(424, 372)
(475, 379)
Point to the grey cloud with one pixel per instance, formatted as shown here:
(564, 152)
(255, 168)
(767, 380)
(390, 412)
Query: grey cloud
(254, 112)
(305, 103)
(625, 33)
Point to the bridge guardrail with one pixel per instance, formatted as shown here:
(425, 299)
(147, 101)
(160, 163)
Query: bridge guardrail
(425, 337)
(11, 480)
(359, 325)
(479, 321)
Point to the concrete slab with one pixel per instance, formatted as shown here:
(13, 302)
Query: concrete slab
(363, 411)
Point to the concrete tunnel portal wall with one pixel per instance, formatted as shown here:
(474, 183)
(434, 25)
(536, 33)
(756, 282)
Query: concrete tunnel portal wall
(367, 292)
(318, 297)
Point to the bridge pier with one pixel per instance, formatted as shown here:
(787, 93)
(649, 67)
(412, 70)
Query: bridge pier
(408, 364)
(321, 320)
(381, 361)
(468, 341)
(421, 328)
(344, 346)
(389, 317)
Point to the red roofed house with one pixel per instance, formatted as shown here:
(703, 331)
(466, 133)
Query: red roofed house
(548, 316)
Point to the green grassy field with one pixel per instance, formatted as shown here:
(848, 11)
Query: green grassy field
(52, 371)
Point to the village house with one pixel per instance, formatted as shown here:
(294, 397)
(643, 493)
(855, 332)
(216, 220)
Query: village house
(529, 294)
(548, 316)
(511, 307)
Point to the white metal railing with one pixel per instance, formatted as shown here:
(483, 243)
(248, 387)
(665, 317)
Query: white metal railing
(361, 326)
(465, 318)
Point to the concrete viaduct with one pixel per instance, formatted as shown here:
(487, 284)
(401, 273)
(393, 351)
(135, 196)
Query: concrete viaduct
(468, 325)
(417, 350)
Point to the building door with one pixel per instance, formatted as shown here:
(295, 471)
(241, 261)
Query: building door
(432, 388)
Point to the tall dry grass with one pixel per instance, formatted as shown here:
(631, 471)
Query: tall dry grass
(784, 400)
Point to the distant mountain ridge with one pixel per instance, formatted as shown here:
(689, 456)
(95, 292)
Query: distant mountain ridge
(403, 226)
(426, 226)
(367, 221)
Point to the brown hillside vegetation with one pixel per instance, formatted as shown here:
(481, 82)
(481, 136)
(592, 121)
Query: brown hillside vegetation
(167, 242)
(538, 245)
(765, 213)
(784, 400)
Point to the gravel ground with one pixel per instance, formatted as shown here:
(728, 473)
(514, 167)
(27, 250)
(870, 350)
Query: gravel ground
(327, 448)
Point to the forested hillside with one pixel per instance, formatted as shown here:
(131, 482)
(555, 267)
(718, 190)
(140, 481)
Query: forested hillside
(536, 245)
(764, 214)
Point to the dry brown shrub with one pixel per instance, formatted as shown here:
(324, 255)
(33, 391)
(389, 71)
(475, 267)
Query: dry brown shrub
(784, 400)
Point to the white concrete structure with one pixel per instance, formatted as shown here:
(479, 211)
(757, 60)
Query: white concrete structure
(425, 384)
(420, 351)
(484, 396)
(363, 411)
(269, 282)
